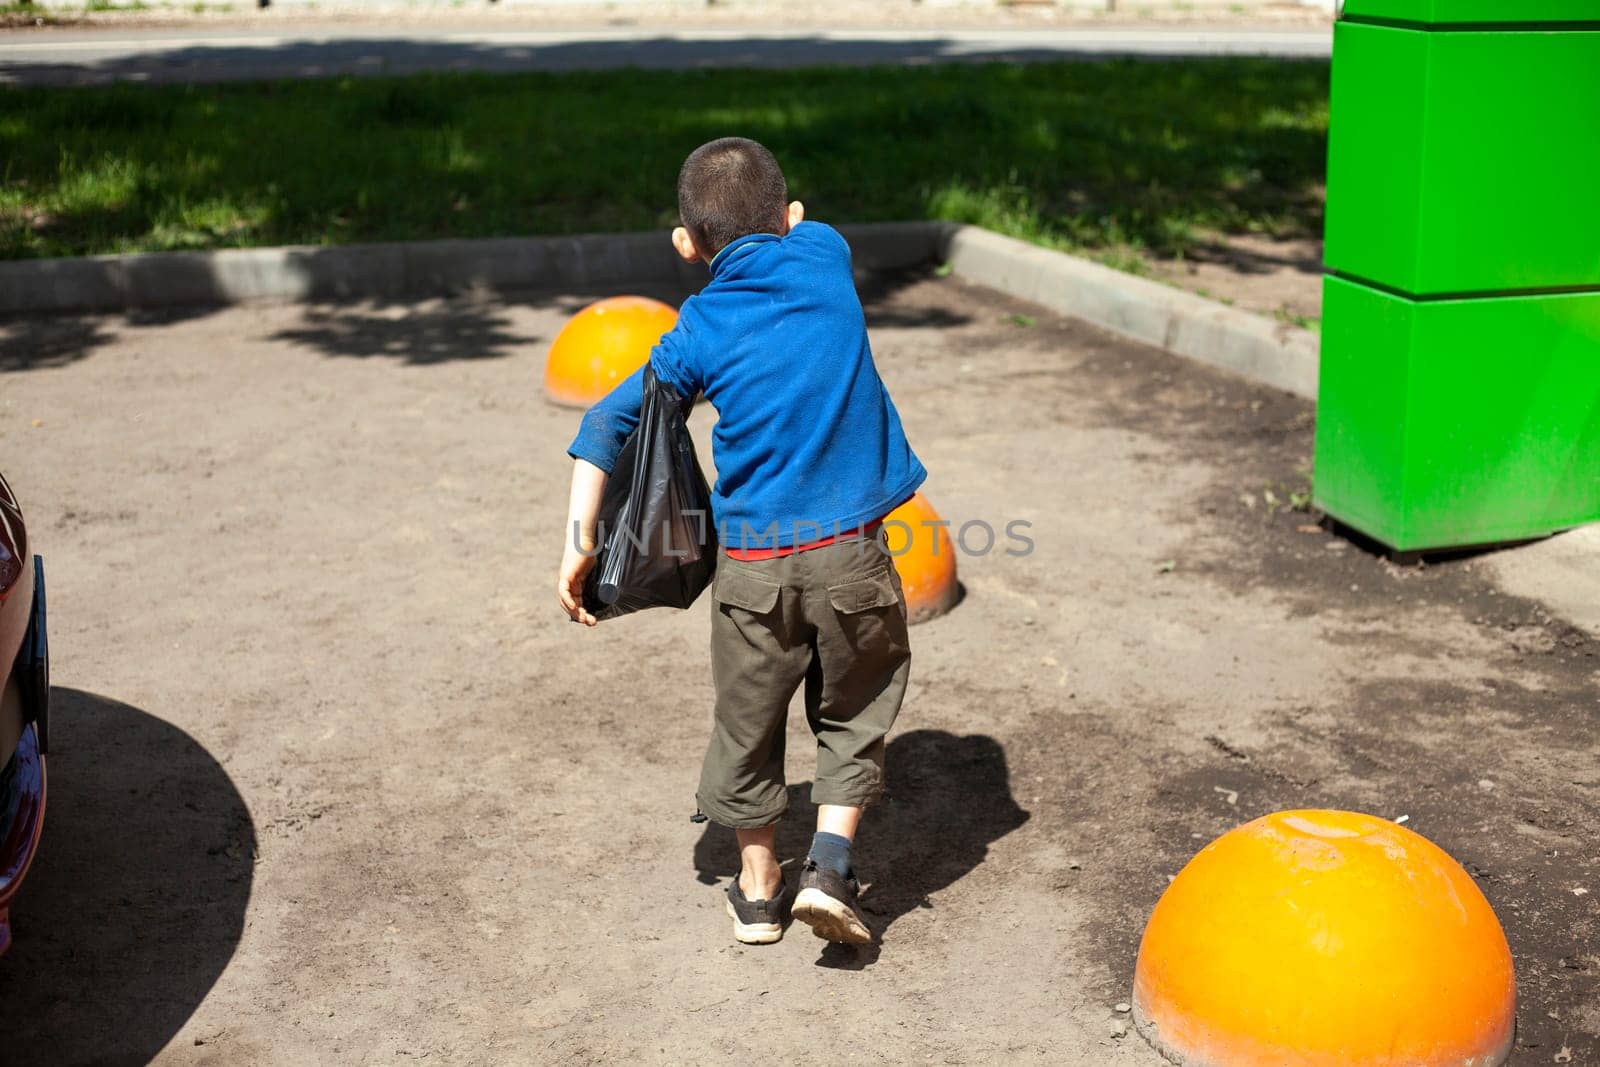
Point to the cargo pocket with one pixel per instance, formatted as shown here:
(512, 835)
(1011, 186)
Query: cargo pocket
(864, 594)
(863, 644)
(737, 589)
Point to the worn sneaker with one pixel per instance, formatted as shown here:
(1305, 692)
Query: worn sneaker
(759, 922)
(827, 904)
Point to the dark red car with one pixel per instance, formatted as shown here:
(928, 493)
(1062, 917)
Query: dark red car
(24, 704)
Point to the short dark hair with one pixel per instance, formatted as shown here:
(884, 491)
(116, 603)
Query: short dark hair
(729, 188)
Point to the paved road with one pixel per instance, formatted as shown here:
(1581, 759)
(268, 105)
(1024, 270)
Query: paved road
(94, 57)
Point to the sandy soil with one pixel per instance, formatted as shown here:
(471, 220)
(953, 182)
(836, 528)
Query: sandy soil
(334, 782)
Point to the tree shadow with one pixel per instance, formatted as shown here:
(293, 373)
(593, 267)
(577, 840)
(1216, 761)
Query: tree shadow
(37, 343)
(878, 290)
(948, 798)
(1246, 260)
(406, 312)
(457, 330)
(136, 899)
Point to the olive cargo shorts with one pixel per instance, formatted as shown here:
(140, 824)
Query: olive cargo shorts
(832, 617)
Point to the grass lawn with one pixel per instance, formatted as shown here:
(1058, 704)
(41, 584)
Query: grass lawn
(1116, 157)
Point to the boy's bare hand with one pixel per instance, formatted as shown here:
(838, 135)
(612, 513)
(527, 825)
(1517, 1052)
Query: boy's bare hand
(575, 567)
(588, 485)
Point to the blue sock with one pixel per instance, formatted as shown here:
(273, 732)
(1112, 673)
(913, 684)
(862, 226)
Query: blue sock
(831, 851)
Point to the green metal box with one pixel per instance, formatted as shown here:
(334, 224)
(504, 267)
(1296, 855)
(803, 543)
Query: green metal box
(1459, 401)
(1451, 13)
(1464, 162)
(1458, 422)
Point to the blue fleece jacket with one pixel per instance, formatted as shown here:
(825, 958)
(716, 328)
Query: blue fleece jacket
(807, 441)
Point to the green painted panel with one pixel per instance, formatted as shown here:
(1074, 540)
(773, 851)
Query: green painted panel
(1458, 422)
(1498, 11)
(1375, 146)
(1361, 403)
(1464, 162)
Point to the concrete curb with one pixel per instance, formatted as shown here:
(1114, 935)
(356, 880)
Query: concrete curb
(383, 271)
(1142, 310)
(1157, 315)
(345, 272)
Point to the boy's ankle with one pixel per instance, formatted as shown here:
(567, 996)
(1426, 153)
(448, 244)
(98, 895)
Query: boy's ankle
(762, 885)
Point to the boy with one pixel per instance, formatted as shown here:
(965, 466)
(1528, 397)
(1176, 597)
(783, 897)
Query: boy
(810, 456)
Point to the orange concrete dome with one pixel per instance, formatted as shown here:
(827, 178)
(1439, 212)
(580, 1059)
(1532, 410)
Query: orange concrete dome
(601, 345)
(928, 566)
(1325, 938)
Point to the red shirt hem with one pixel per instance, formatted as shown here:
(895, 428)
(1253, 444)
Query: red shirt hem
(748, 555)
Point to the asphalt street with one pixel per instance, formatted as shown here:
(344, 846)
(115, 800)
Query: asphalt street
(89, 57)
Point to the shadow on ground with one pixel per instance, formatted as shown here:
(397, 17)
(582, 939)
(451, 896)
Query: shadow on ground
(136, 900)
(878, 290)
(39, 342)
(421, 329)
(949, 798)
(1409, 558)
(1253, 260)
(422, 337)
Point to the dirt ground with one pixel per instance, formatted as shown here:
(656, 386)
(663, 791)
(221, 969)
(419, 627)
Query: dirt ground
(1277, 277)
(333, 781)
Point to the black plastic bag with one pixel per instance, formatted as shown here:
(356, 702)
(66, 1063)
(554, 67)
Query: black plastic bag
(32, 668)
(658, 543)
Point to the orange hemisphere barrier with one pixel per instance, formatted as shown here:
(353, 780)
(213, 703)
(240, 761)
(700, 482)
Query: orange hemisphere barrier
(601, 345)
(928, 566)
(1325, 938)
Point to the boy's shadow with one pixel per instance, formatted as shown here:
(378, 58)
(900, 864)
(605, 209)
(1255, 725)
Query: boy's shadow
(947, 797)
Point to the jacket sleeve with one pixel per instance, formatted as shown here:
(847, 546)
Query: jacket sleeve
(674, 356)
(606, 425)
